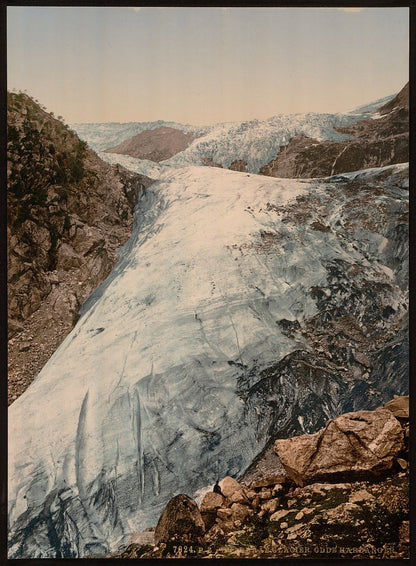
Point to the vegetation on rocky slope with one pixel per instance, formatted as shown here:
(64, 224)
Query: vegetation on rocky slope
(67, 214)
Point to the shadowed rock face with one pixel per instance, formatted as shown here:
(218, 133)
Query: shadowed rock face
(181, 522)
(239, 165)
(377, 142)
(156, 145)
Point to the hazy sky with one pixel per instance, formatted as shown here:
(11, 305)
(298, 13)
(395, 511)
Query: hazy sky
(204, 65)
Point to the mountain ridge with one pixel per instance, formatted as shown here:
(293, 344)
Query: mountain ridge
(253, 142)
(380, 140)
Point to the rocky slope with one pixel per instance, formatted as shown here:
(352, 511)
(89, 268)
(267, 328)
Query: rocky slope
(156, 145)
(209, 340)
(380, 140)
(351, 501)
(68, 213)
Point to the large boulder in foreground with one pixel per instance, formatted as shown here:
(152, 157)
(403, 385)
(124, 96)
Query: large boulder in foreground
(181, 522)
(351, 446)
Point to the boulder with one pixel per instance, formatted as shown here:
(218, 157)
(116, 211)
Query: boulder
(181, 522)
(359, 444)
(224, 514)
(240, 496)
(399, 406)
(211, 502)
(270, 506)
(361, 496)
(279, 514)
(240, 512)
(209, 507)
(229, 486)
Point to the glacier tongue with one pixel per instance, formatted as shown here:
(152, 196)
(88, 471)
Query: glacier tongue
(199, 347)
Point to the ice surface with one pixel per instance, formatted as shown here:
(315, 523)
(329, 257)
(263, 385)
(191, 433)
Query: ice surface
(143, 166)
(158, 390)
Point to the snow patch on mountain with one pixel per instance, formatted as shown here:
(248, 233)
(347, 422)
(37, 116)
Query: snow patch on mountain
(142, 166)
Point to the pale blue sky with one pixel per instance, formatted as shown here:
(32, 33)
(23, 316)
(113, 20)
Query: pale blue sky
(204, 65)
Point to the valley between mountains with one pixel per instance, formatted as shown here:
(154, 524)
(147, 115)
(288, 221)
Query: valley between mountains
(185, 298)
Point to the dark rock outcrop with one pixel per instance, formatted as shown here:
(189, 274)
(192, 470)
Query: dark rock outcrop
(156, 145)
(239, 165)
(360, 444)
(181, 523)
(209, 162)
(376, 142)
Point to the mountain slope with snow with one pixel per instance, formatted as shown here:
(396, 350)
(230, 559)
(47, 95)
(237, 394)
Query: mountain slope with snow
(243, 307)
(255, 142)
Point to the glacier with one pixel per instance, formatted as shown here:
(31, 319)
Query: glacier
(256, 142)
(242, 308)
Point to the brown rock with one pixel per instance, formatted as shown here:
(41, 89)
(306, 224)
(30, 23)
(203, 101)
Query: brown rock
(355, 444)
(227, 526)
(404, 532)
(270, 506)
(67, 258)
(224, 514)
(279, 515)
(211, 502)
(229, 486)
(361, 496)
(265, 494)
(250, 493)
(277, 490)
(255, 502)
(180, 522)
(269, 481)
(240, 512)
(399, 406)
(239, 497)
(402, 463)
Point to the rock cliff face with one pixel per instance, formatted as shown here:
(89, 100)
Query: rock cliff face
(156, 145)
(382, 140)
(207, 341)
(68, 212)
